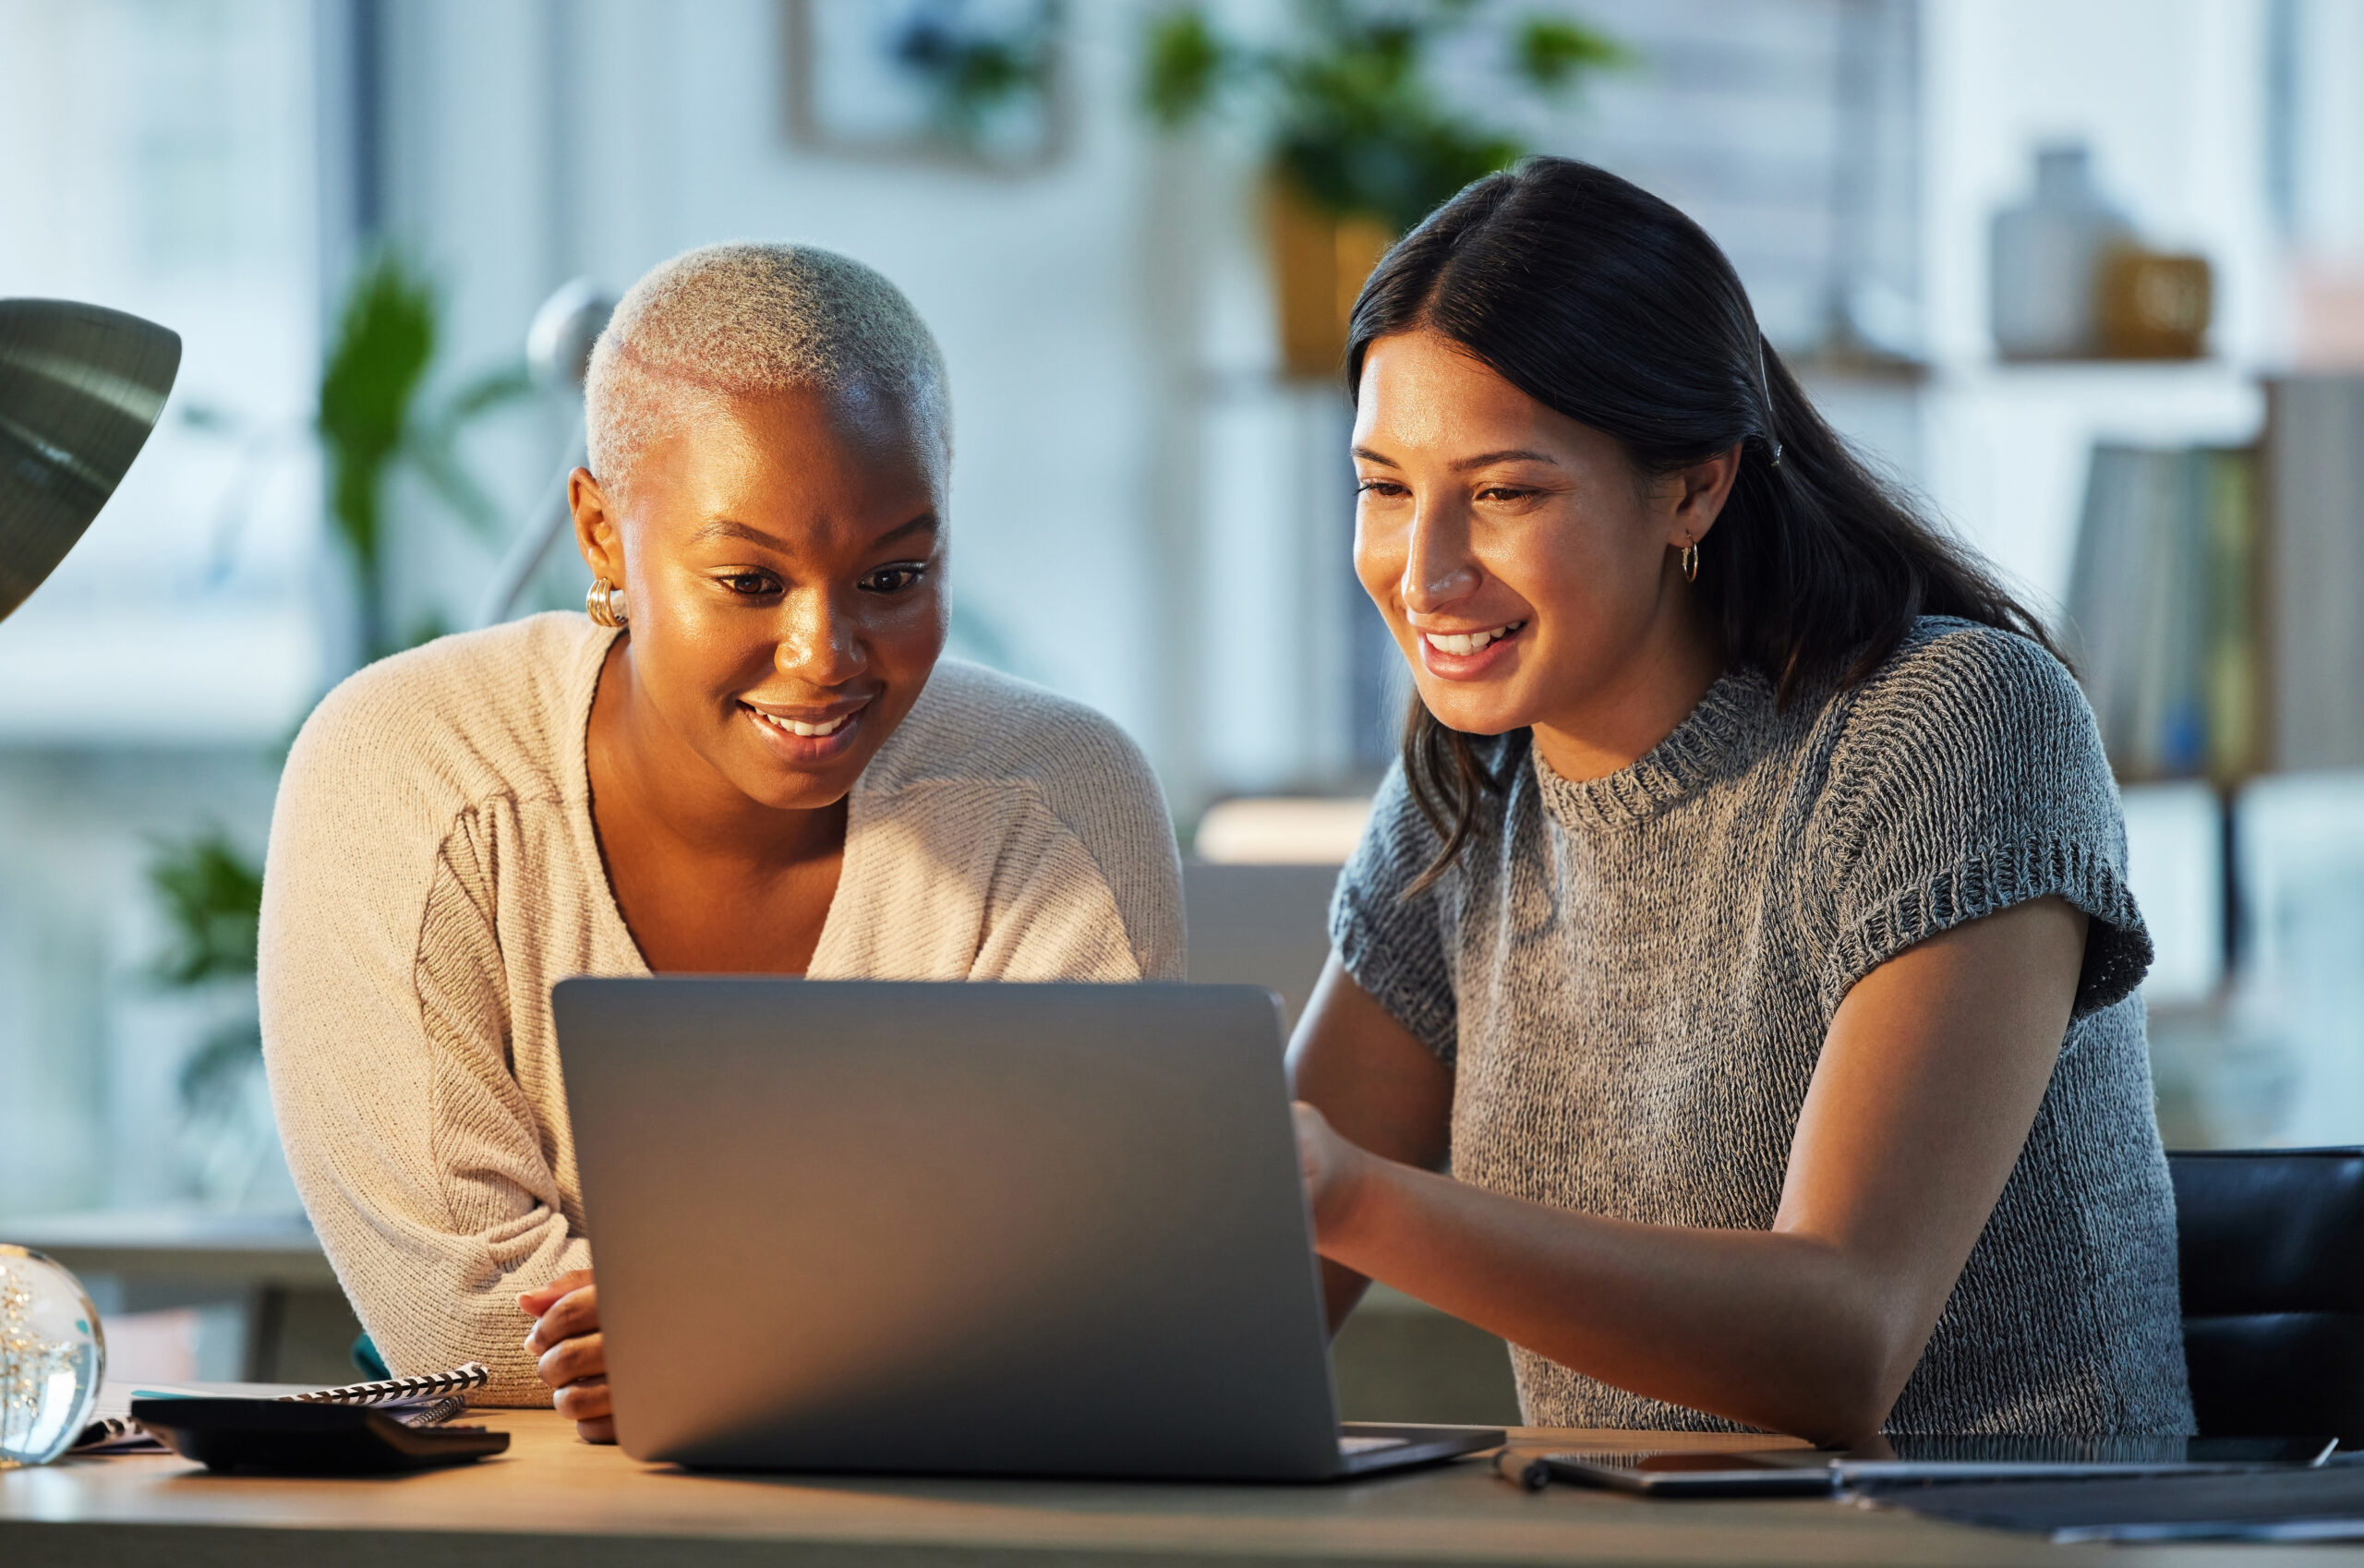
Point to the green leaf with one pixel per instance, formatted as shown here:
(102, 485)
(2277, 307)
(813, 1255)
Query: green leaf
(1182, 67)
(384, 341)
(970, 70)
(372, 418)
(1357, 124)
(1362, 131)
(1552, 52)
(212, 896)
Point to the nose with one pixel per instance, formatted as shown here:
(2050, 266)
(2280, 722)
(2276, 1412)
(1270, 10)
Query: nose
(1438, 566)
(819, 643)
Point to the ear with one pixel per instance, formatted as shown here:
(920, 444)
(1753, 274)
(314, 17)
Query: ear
(597, 532)
(1697, 494)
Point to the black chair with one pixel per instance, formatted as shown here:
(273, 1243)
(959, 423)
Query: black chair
(2272, 1264)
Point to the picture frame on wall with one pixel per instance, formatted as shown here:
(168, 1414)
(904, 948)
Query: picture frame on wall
(973, 84)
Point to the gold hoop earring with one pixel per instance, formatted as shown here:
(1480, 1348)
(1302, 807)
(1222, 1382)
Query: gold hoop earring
(1691, 561)
(604, 604)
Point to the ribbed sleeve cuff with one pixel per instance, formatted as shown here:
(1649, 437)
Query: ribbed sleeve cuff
(2117, 950)
(1416, 994)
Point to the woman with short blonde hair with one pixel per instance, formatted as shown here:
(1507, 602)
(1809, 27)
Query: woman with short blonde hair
(748, 757)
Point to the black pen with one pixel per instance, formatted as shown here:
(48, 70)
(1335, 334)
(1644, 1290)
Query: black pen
(1528, 1472)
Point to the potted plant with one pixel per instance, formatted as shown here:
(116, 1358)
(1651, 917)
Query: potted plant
(1359, 140)
(374, 418)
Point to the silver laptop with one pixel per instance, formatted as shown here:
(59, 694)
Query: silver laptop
(970, 1229)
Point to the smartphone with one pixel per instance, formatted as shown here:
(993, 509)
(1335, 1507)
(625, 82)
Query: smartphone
(1774, 1472)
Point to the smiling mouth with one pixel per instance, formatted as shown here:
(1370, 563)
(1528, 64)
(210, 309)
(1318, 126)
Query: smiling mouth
(806, 729)
(1463, 644)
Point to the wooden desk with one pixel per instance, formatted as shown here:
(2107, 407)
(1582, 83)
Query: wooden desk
(552, 1500)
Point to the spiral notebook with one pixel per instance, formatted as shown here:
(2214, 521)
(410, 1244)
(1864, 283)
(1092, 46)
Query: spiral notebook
(426, 1401)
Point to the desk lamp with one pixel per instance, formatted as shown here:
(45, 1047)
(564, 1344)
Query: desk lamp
(80, 387)
(79, 390)
(558, 353)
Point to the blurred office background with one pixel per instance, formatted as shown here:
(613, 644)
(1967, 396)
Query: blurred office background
(2089, 275)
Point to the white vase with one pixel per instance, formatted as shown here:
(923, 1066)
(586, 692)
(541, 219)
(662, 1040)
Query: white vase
(2048, 256)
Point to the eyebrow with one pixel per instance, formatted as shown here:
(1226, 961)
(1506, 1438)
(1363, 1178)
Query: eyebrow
(1510, 454)
(725, 528)
(926, 522)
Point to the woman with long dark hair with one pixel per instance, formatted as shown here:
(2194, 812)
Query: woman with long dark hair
(1745, 928)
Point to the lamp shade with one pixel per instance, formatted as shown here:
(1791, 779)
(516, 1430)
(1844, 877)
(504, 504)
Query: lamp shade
(80, 387)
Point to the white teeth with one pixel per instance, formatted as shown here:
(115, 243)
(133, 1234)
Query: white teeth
(1466, 643)
(798, 726)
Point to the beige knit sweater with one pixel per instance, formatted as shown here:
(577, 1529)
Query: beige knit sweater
(433, 871)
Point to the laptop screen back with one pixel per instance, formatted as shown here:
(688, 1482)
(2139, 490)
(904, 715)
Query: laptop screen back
(991, 1228)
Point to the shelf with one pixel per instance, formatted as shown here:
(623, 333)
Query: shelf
(217, 673)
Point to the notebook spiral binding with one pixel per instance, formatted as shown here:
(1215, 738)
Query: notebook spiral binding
(472, 1375)
(435, 1412)
(108, 1428)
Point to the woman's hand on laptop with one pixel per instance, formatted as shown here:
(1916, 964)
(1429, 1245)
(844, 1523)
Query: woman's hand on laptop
(574, 1356)
(1332, 1166)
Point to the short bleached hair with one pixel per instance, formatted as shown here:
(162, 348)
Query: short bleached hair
(730, 322)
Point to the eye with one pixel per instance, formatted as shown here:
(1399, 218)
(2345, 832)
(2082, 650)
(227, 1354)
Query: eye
(750, 585)
(1502, 493)
(1379, 487)
(894, 579)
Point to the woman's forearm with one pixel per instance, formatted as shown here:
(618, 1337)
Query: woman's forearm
(1779, 1331)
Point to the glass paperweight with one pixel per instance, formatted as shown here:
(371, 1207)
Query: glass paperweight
(52, 1355)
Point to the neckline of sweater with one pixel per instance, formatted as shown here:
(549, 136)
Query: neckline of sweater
(1694, 753)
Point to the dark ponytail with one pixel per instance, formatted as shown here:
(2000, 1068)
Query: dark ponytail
(1605, 304)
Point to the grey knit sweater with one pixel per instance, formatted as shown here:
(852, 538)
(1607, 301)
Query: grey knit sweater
(1632, 977)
